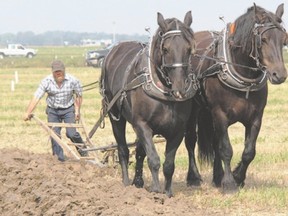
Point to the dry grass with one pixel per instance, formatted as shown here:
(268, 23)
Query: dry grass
(266, 190)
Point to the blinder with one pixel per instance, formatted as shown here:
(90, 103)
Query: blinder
(258, 35)
(257, 43)
(164, 37)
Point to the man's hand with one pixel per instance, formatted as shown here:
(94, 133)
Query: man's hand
(33, 103)
(77, 116)
(27, 116)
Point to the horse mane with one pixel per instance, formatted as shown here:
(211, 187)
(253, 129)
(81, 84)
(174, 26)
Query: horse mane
(245, 25)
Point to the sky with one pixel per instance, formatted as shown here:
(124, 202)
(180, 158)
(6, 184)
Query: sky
(121, 16)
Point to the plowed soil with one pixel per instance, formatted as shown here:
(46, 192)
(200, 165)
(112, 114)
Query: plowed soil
(38, 184)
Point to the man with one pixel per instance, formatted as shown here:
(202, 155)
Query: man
(61, 104)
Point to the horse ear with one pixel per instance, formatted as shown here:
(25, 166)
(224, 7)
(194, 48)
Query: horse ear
(161, 22)
(255, 8)
(280, 10)
(255, 12)
(188, 19)
(257, 18)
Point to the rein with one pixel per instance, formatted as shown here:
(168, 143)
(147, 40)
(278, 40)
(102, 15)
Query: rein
(87, 87)
(224, 62)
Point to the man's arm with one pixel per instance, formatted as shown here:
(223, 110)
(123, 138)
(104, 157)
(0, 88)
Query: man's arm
(77, 104)
(33, 103)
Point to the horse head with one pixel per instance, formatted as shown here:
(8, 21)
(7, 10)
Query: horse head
(269, 39)
(171, 49)
(260, 36)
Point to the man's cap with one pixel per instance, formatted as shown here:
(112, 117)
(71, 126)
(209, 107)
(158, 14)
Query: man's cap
(57, 65)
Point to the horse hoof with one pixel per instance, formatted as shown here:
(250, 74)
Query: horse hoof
(138, 182)
(126, 183)
(169, 194)
(241, 184)
(229, 188)
(239, 181)
(194, 183)
(156, 190)
(216, 184)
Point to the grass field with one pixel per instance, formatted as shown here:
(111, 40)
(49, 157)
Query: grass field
(267, 178)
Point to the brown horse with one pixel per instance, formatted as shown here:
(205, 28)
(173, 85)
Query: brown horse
(232, 73)
(151, 87)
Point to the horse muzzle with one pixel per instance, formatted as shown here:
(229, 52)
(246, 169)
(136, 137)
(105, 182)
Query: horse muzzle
(178, 94)
(275, 77)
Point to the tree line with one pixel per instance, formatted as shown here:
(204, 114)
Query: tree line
(60, 38)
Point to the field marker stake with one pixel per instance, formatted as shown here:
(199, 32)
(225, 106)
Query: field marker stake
(16, 77)
(12, 85)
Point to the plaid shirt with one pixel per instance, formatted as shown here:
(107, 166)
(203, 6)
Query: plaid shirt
(59, 97)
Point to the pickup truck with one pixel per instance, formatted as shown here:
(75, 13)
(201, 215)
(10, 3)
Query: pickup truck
(17, 50)
(95, 58)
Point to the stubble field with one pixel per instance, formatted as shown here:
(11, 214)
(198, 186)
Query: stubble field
(33, 182)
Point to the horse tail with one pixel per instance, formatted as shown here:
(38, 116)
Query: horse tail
(205, 137)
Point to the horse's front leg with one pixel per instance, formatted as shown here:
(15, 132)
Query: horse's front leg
(193, 175)
(169, 163)
(218, 171)
(145, 135)
(123, 151)
(140, 156)
(251, 134)
(225, 152)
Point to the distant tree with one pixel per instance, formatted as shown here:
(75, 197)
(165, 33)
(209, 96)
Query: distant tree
(59, 38)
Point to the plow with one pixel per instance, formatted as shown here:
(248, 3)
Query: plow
(99, 155)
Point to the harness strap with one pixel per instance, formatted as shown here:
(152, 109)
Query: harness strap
(98, 123)
(212, 70)
(135, 83)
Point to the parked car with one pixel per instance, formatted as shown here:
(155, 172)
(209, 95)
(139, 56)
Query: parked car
(17, 50)
(95, 57)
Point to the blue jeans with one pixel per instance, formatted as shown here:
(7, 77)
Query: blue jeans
(66, 116)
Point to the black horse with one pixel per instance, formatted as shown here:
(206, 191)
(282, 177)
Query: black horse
(151, 87)
(232, 74)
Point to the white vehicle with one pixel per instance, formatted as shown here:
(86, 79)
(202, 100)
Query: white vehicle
(17, 50)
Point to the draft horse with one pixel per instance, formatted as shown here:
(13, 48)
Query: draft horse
(151, 87)
(232, 71)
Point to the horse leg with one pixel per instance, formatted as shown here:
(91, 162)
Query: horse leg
(193, 175)
(251, 134)
(169, 163)
(218, 171)
(119, 128)
(145, 135)
(140, 156)
(225, 152)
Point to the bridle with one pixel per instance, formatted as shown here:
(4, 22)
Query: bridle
(151, 87)
(256, 45)
(163, 38)
(164, 66)
(257, 40)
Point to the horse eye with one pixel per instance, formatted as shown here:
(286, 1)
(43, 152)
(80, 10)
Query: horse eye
(264, 40)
